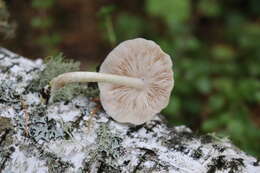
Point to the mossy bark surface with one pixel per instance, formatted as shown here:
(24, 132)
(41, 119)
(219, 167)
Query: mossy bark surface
(78, 136)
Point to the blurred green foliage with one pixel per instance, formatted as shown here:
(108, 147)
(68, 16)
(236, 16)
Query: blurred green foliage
(165, 10)
(7, 28)
(106, 20)
(43, 22)
(215, 49)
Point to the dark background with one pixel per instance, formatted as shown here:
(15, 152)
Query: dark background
(214, 44)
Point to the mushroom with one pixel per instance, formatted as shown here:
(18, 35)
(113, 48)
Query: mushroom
(135, 81)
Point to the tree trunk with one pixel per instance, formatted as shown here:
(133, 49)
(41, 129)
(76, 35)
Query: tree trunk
(78, 136)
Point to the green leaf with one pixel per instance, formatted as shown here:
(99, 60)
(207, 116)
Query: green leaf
(223, 52)
(248, 89)
(250, 36)
(52, 39)
(44, 4)
(254, 5)
(204, 85)
(128, 26)
(173, 107)
(106, 10)
(209, 8)
(172, 11)
(193, 105)
(217, 122)
(216, 102)
(43, 23)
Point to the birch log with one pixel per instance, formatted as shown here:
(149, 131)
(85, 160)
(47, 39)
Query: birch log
(66, 137)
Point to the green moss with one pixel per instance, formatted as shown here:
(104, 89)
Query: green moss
(65, 94)
(69, 91)
(55, 66)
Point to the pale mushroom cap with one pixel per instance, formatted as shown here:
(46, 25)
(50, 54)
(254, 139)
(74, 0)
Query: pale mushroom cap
(142, 59)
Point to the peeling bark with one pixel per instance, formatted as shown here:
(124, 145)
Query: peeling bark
(66, 137)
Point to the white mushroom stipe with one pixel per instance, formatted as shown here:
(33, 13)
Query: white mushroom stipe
(82, 77)
(135, 81)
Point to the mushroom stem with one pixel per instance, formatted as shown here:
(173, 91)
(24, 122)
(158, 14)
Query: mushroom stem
(82, 77)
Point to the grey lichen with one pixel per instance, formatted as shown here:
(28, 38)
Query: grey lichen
(55, 164)
(39, 126)
(5, 123)
(6, 140)
(220, 163)
(8, 93)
